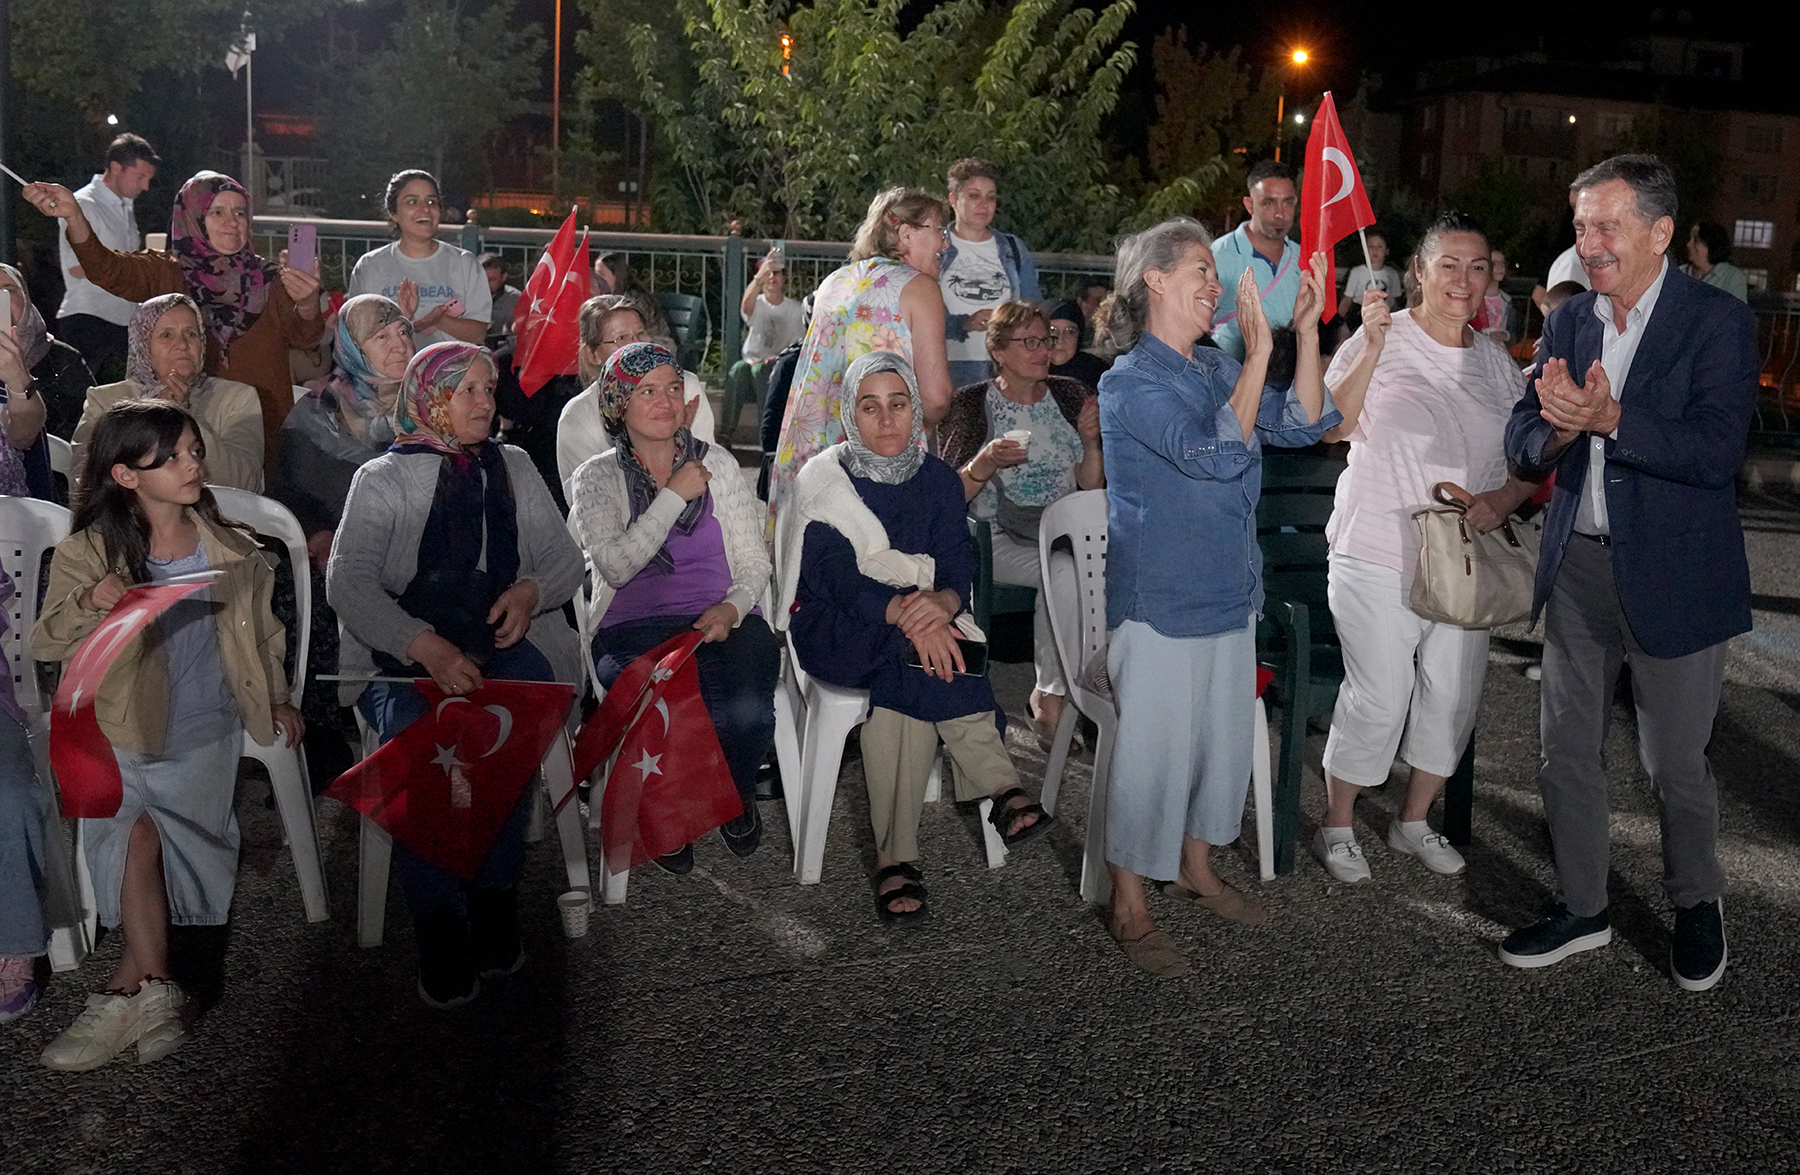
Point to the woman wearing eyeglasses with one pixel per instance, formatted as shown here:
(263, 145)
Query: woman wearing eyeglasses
(1009, 483)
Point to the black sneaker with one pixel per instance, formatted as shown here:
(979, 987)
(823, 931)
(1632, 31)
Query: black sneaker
(680, 862)
(742, 834)
(1555, 936)
(446, 968)
(494, 932)
(1697, 957)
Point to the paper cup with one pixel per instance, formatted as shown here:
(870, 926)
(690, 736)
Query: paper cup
(1019, 436)
(574, 907)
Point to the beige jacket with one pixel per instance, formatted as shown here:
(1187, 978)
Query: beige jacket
(231, 428)
(133, 705)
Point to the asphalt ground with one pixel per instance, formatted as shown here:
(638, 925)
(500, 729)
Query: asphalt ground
(732, 1019)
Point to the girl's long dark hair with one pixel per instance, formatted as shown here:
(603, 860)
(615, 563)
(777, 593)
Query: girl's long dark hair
(142, 434)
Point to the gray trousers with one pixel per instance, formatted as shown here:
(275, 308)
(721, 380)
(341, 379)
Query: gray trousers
(1586, 640)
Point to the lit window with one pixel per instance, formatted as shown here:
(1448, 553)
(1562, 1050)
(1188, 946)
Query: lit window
(1757, 280)
(1757, 187)
(1753, 234)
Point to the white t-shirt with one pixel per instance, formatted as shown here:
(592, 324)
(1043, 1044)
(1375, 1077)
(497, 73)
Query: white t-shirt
(1386, 279)
(973, 281)
(446, 275)
(773, 329)
(1433, 413)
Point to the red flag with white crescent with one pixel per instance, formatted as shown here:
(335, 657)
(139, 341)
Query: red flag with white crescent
(1333, 202)
(444, 785)
(87, 773)
(547, 318)
(668, 784)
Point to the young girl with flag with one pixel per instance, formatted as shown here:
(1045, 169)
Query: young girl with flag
(174, 705)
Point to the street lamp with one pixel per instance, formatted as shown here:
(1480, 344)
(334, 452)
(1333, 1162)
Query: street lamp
(787, 51)
(1298, 58)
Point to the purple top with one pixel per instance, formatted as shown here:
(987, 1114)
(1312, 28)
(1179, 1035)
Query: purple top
(701, 578)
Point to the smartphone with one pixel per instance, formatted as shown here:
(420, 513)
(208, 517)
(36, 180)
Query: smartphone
(974, 655)
(303, 247)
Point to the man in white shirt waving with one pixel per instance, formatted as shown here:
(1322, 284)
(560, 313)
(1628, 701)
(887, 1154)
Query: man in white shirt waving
(90, 319)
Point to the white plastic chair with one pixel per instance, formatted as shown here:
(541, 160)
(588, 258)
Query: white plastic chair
(28, 528)
(62, 455)
(287, 765)
(824, 715)
(1076, 587)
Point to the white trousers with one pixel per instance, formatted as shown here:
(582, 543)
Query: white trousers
(1402, 674)
(1017, 563)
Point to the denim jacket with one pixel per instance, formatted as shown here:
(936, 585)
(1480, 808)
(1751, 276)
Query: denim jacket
(1181, 551)
(1021, 275)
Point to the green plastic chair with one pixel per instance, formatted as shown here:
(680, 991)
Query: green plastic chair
(692, 326)
(994, 599)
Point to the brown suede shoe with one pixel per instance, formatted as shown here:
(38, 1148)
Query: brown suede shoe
(1228, 903)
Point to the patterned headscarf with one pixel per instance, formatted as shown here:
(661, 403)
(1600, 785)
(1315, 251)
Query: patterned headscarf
(625, 369)
(422, 410)
(137, 345)
(34, 336)
(232, 290)
(365, 399)
(860, 459)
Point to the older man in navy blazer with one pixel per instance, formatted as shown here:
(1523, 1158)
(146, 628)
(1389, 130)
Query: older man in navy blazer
(1641, 402)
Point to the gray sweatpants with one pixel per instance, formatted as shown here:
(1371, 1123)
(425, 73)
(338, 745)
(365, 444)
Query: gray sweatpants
(1586, 640)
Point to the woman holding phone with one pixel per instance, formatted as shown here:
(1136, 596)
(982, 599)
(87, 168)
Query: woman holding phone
(442, 288)
(252, 309)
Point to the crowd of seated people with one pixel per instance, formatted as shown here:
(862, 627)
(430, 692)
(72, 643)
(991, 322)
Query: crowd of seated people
(444, 550)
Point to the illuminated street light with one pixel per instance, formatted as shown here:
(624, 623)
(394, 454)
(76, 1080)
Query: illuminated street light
(113, 120)
(1299, 120)
(1299, 57)
(787, 51)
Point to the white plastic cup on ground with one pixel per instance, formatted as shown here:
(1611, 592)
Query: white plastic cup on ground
(574, 907)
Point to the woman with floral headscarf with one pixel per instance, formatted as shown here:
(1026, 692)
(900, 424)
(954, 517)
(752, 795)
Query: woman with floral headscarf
(676, 537)
(251, 310)
(40, 374)
(163, 361)
(348, 419)
(879, 568)
(451, 562)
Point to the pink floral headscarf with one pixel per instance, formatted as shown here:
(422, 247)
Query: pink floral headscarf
(232, 290)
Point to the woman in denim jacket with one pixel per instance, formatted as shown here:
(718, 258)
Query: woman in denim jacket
(1183, 428)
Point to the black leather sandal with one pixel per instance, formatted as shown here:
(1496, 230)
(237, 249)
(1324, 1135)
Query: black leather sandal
(884, 900)
(1001, 816)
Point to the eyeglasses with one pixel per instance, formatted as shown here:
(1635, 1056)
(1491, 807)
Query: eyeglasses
(1064, 332)
(642, 336)
(1030, 342)
(942, 231)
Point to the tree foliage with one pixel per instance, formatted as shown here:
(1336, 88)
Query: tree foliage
(433, 97)
(869, 102)
(1212, 118)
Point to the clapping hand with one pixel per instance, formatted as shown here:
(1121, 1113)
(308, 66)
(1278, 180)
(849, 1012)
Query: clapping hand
(1572, 408)
(408, 297)
(1311, 296)
(1253, 325)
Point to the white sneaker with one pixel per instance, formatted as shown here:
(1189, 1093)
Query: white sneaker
(161, 1028)
(108, 1024)
(1433, 849)
(1343, 859)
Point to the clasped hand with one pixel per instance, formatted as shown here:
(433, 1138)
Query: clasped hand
(924, 617)
(1573, 408)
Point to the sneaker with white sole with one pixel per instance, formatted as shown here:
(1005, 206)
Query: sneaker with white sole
(18, 986)
(161, 1026)
(1343, 859)
(104, 1029)
(1433, 848)
(1697, 955)
(1555, 936)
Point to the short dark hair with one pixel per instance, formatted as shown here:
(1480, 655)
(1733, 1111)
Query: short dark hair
(495, 261)
(1652, 180)
(964, 170)
(129, 150)
(1268, 169)
(1717, 241)
(1447, 222)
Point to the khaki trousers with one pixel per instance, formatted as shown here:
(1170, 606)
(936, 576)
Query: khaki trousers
(897, 755)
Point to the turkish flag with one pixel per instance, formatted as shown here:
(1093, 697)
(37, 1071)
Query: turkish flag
(669, 784)
(87, 773)
(1333, 202)
(546, 320)
(443, 786)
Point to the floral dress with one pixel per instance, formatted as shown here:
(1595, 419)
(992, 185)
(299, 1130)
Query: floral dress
(856, 310)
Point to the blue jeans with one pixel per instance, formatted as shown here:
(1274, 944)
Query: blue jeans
(23, 808)
(390, 707)
(737, 683)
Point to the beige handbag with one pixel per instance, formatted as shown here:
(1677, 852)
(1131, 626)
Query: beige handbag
(1472, 580)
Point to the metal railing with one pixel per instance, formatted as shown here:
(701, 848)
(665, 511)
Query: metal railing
(716, 269)
(1778, 399)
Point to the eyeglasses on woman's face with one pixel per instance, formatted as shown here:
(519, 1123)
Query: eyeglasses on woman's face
(619, 340)
(1064, 331)
(1030, 342)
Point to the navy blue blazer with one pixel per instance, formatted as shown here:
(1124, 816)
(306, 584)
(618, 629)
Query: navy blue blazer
(1671, 496)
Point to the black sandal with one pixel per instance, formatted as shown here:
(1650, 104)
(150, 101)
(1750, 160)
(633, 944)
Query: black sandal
(884, 900)
(1000, 816)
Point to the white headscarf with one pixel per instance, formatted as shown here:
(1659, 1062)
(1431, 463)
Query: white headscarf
(859, 458)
